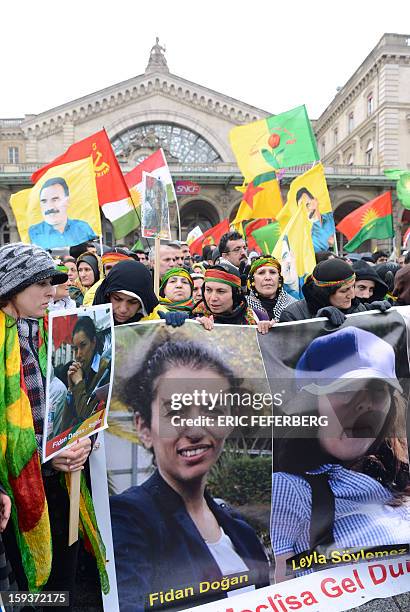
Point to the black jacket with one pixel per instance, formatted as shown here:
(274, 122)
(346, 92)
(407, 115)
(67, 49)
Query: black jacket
(158, 547)
(315, 299)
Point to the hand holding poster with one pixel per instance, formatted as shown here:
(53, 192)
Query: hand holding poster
(79, 376)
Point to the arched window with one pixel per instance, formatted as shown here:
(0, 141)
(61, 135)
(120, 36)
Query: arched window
(198, 212)
(369, 153)
(179, 143)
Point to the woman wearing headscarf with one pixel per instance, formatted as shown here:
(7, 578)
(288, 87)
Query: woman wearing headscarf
(90, 275)
(176, 290)
(128, 287)
(329, 292)
(265, 285)
(223, 299)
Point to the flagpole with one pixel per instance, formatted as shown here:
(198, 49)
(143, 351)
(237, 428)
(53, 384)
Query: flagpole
(156, 265)
(179, 220)
(335, 247)
(101, 246)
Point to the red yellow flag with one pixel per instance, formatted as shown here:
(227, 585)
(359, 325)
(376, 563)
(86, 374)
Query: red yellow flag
(113, 194)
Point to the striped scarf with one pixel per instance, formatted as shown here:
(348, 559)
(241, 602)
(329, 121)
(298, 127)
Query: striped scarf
(20, 470)
(181, 306)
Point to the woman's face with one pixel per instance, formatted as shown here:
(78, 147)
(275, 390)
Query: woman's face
(218, 297)
(197, 293)
(72, 272)
(124, 307)
(342, 298)
(33, 301)
(355, 419)
(185, 453)
(86, 274)
(177, 289)
(266, 281)
(83, 349)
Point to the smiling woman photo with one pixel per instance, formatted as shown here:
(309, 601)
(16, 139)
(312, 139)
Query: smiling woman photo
(169, 533)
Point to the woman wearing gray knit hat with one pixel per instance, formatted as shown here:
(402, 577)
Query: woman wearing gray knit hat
(36, 537)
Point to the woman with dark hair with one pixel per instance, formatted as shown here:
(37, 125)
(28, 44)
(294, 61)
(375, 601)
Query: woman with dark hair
(329, 292)
(89, 371)
(349, 486)
(169, 533)
(222, 297)
(265, 286)
(90, 275)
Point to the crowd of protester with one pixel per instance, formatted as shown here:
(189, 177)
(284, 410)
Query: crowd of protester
(224, 286)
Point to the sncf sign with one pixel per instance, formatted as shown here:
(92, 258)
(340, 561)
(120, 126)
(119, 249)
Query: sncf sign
(186, 188)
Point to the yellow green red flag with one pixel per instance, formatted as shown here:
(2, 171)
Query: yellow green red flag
(261, 199)
(280, 141)
(61, 209)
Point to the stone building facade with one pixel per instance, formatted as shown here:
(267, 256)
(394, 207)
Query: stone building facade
(364, 130)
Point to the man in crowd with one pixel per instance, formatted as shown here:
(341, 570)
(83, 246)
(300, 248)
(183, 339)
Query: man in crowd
(207, 251)
(142, 257)
(368, 286)
(178, 253)
(167, 258)
(380, 257)
(232, 248)
(187, 254)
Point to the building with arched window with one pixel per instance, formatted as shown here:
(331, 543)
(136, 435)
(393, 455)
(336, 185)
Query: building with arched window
(364, 130)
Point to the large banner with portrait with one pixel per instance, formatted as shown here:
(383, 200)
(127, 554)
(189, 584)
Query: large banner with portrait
(79, 376)
(237, 460)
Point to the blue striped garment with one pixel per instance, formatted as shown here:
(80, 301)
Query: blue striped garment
(362, 518)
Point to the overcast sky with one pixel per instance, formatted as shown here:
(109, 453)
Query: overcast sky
(274, 55)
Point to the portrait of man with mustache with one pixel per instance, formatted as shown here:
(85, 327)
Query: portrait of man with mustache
(57, 230)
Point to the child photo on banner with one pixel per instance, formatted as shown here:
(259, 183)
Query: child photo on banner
(79, 376)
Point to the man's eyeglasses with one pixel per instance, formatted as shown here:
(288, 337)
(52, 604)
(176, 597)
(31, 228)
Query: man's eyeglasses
(238, 249)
